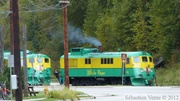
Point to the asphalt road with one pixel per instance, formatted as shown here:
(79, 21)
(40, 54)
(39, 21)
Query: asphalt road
(123, 93)
(129, 93)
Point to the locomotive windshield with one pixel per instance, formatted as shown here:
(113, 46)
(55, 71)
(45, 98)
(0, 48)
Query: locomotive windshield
(150, 59)
(144, 59)
(46, 60)
(39, 60)
(136, 59)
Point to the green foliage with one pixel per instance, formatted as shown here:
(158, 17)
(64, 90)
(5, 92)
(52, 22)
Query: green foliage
(6, 77)
(93, 9)
(4, 21)
(168, 76)
(165, 26)
(63, 94)
(41, 96)
(122, 15)
(77, 12)
(140, 27)
(38, 96)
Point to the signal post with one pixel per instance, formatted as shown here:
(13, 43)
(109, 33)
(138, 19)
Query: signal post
(124, 58)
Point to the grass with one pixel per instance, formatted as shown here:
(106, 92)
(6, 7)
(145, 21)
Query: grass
(64, 94)
(55, 95)
(169, 76)
(39, 95)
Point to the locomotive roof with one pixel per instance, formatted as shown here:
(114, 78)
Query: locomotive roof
(38, 55)
(94, 53)
(29, 54)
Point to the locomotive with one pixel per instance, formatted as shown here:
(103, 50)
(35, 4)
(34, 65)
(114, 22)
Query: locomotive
(91, 66)
(38, 67)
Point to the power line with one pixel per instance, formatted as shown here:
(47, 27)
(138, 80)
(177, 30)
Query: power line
(43, 8)
(5, 12)
(57, 6)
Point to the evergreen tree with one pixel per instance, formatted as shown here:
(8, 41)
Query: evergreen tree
(165, 26)
(142, 38)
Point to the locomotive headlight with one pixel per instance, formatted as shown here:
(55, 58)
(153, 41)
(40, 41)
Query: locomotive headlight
(149, 69)
(142, 70)
(146, 69)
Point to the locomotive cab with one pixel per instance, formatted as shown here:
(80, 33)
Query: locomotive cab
(39, 69)
(144, 72)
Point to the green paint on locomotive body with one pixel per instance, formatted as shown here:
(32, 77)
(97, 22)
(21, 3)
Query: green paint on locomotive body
(39, 72)
(107, 72)
(137, 75)
(39, 78)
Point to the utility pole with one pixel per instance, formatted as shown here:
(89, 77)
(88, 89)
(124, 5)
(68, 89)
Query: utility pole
(66, 72)
(15, 45)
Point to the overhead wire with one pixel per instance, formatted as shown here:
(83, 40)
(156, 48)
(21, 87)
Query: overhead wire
(55, 7)
(42, 8)
(5, 12)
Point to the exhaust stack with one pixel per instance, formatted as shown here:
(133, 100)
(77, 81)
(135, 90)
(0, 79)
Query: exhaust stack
(100, 48)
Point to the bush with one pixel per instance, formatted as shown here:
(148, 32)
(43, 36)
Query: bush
(169, 76)
(63, 94)
(6, 77)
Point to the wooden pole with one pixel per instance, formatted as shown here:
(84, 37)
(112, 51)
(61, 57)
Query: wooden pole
(65, 45)
(15, 46)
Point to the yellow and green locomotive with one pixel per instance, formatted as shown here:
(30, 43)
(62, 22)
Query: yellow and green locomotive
(90, 66)
(38, 67)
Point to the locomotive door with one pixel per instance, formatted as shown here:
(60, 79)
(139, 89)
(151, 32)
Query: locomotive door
(94, 66)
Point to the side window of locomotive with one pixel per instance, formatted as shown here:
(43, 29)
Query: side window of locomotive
(31, 60)
(46, 60)
(150, 59)
(106, 60)
(127, 61)
(110, 60)
(136, 59)
(87, 61)
(144, 59)
(103, 60)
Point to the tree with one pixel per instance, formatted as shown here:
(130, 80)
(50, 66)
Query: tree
(76, 12)
(122, 15)
(142, 38)
(165, 26)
